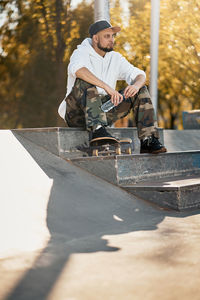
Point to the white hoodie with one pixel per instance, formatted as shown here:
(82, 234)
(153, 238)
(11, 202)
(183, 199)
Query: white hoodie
(110, 68)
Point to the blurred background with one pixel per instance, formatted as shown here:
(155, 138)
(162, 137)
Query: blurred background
(37, 38)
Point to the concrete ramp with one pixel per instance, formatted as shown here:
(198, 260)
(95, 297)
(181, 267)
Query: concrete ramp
(24, 194)
(67, 234)
(51, 210)
(32, 179)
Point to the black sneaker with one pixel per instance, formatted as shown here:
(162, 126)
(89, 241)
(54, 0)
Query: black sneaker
(101, 133)
(152, 145)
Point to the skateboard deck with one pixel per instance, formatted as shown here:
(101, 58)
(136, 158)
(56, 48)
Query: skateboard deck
(106, 146)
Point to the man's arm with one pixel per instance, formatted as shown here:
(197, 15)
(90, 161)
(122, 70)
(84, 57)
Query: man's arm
(132, 75)
(132, 89)
(86, 75)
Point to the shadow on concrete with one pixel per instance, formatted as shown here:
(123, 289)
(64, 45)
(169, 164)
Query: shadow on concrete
(82, 209)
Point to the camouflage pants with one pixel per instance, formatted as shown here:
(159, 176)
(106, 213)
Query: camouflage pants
(83, 109)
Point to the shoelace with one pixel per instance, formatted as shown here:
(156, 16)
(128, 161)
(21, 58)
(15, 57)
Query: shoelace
(153, 140)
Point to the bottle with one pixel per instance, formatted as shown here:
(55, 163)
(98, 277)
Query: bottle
(107, 106)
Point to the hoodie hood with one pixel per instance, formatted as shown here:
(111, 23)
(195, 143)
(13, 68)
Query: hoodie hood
(87, 46)
(86, 43)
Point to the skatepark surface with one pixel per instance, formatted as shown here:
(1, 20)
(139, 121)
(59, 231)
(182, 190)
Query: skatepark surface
(69, 235)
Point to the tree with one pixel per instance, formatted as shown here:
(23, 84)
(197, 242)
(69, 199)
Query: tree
(38, 37)
(179, 62)
(37, 40)
(179, 54)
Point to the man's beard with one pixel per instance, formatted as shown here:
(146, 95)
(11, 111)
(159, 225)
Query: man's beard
(104, 49)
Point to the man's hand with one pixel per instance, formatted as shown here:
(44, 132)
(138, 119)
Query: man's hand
(116, 97)
(86, 75)
(131, 90)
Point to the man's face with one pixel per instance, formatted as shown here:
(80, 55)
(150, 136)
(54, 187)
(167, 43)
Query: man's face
(105, 40)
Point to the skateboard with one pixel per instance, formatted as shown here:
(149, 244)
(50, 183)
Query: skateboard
(106, 146)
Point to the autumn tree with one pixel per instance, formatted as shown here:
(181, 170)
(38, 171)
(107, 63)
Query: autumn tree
(179, 54)
(37, 39)
(179, 60)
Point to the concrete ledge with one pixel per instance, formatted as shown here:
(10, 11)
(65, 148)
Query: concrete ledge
(130, 169)
(179, 193)
(191, 119)
(72, 142)
(182, 140)
(55, 139)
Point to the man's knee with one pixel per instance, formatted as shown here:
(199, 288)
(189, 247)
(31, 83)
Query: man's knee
(82, 84)
(143, 92)
(80, 89)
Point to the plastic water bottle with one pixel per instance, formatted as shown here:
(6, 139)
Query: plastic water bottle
(107, 106)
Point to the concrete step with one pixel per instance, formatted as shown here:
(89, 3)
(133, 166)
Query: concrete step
(73, 142)
(131, 169)
(178, 193)
(170, 180)
(143, 175)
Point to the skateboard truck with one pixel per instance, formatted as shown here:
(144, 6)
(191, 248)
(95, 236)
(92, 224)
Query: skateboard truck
(110, 146)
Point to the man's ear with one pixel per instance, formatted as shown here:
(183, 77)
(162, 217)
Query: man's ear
(95, 38)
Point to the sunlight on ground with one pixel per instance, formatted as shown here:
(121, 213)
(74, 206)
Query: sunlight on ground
(24, 195)
(150, 264)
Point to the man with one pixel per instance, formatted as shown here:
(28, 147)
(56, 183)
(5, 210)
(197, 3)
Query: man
(93, 71)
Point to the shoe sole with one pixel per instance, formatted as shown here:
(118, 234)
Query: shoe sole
(162, 150)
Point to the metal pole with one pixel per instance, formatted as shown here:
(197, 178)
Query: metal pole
(155, 22)
(101, 10)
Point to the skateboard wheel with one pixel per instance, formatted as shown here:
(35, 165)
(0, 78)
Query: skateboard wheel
(118, 151)
(128, 150)
(95, 152)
